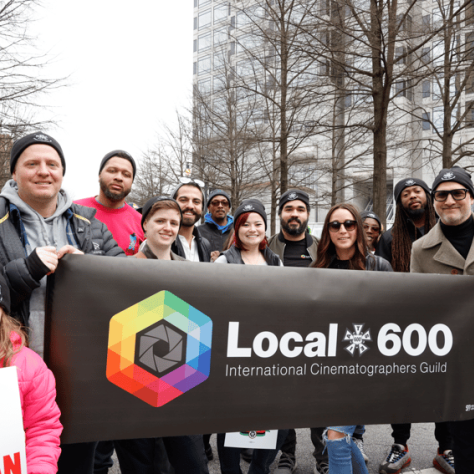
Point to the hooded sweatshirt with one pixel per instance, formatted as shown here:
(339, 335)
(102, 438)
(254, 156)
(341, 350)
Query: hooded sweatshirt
(40, 232)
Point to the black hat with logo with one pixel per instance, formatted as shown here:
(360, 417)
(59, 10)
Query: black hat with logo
(456, 174)
(251, 205)
(293, 195)
(406, 183)
(37, 138)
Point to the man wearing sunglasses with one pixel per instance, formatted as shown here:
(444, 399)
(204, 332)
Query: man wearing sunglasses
(448, 248)
(296, 247)
(218, 221)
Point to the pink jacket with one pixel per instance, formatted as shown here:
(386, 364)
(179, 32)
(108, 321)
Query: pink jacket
(40, 411)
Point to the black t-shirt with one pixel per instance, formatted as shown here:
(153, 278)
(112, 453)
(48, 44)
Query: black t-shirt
(296, 254)
(339, 264)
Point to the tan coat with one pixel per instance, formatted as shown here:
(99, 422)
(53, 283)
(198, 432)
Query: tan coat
(433, 253)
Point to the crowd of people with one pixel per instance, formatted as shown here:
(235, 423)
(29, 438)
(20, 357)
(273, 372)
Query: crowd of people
(433, 232)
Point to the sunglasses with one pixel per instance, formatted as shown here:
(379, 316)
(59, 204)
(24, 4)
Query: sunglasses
(185, 180)
(457, 194)
(348, 225)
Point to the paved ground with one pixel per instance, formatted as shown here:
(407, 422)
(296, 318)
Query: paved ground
(377, 442)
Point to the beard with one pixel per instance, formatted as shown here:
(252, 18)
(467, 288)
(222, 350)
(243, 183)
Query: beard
(190, 221)
(111, 195)
(415, 214)
(292, 230)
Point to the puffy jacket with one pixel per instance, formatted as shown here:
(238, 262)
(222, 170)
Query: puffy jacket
(215, 237)
(40, 410)
(90, 235)
(233, 255)
(203, 247)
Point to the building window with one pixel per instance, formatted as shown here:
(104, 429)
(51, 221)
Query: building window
(204, 65)
(426, 22)
(205, 19)
(194, 68)
(204, 42)
(426, 125)
(425, 55)
(438, 118)
(404, 89)
(469, 114)
(220, 83)
(220, 36)
(203, 2)
(195, 23)
(194, 46)
(425, 89)
(220, 58)
(204, 86)
(221, 12)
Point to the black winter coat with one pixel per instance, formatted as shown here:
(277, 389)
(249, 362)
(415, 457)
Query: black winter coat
(233, 255)
(22, 272)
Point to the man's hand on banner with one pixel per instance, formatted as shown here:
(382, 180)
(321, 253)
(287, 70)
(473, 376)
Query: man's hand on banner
(68, 249)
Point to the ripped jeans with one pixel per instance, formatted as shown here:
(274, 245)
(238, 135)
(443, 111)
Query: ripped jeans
(344, 455)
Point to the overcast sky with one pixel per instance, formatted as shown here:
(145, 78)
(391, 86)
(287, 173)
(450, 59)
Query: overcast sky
(130, 67)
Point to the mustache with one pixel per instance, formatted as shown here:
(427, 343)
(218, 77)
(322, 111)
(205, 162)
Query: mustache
(294, 219)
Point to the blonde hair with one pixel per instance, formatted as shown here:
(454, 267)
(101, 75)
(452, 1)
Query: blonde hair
(7, 326)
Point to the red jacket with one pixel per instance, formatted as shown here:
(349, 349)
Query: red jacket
(40, 410)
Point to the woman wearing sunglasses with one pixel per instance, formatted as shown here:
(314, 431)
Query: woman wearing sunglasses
(343, 245)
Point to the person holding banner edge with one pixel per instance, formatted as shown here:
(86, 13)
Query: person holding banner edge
(448, 249)
(343, 246)
(249, 248)
(37, 392)
(39, 224)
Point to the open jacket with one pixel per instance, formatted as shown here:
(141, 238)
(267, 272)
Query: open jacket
(434, 253)
(40, 410)
(277, 244)
(203, 247)
(87, 233)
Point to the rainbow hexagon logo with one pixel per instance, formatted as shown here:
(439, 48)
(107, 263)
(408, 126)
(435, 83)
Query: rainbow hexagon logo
(159, 348)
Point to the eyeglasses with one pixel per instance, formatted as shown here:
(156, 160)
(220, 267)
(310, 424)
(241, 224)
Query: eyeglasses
(348, 225)
(185, 180)
(223, 203)
(372, 228)
(457, 194)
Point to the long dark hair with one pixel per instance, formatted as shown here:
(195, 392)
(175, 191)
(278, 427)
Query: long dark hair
(327, 250)
(401, 241)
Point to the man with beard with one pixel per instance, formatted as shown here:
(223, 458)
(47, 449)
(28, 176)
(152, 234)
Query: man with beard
(116, 173)
(190, 244)
(414, 217)
(296, 247)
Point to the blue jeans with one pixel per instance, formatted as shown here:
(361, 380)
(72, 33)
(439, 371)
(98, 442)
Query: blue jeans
(229, 458)
(344, 455)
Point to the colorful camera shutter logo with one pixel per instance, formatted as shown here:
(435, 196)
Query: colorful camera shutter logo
(159, 348)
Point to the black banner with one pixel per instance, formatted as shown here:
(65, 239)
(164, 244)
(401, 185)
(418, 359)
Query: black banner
(144, 348)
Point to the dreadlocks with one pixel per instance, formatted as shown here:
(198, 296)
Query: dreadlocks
(401, 243)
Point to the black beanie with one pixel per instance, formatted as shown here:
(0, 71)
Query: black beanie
(370, 214)
(251, 205)
(149, 204)
(217, 192)
(116, 153)
(293, 195)
(406, 183)
(4, 294)
(37, 138)
(456, 174)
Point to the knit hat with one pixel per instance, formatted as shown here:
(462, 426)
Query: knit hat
(124, 155)
(149, 204)
(251, 205)
(293, 195)
(371, 215)
(4, 294)
(406, 183)
(456, 174)
(37, 138)
(217, 192)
